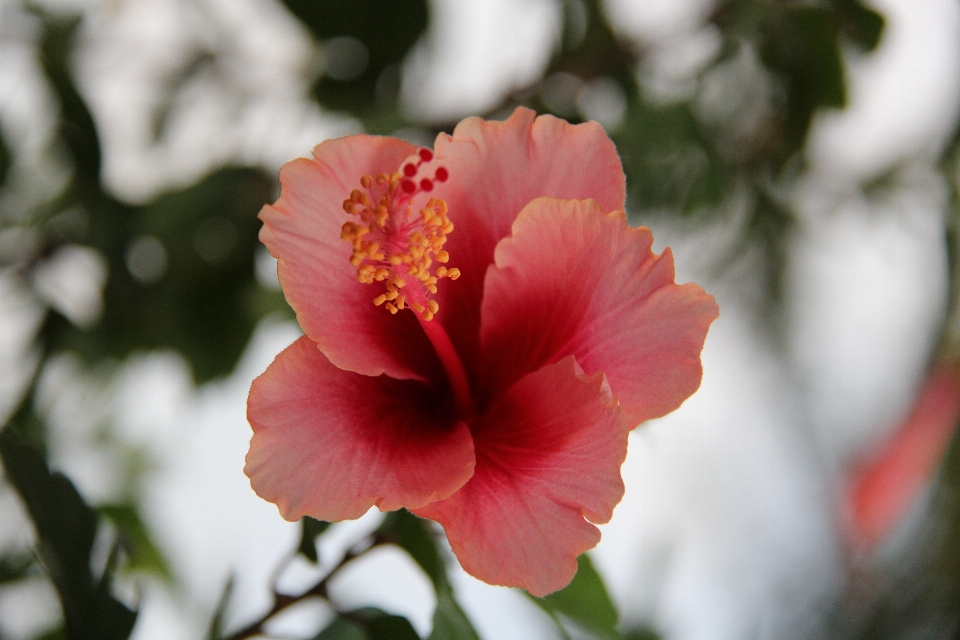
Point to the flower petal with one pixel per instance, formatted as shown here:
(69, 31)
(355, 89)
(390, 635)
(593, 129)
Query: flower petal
(495, 169)
(548, 460)
(330, 443)
(573, 280)
(302, 230)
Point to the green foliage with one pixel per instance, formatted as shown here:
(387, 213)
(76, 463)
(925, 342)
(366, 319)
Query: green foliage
(413, 535)
(216, 628)
(669, 162)
(369, 623)
(309, 530)
(14, 566)
(66, 528)
(6, 159)
(640, 634)
(388, 30)
(202, 299)
(135, 536)
(585, 601)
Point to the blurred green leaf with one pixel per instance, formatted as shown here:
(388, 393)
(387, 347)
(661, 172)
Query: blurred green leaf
(6, 158)
(342, 629)
(310, 529)
(668, 161)
(57, 633)
(77, 129)
(181, 269)
(801, 44)
(203, 301)
(450, 622)
(368, 623)
(412, 534)
(14, 566)
(861, 25)
(216, 627)
(386, 32)
(66, 528)
(585, 601)
(380, 625)
(144, 553)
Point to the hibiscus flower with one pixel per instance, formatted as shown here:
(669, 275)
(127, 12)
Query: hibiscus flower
(482, 330)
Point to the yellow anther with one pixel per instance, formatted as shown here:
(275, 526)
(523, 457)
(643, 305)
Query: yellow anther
(391, 244)
(453, 274)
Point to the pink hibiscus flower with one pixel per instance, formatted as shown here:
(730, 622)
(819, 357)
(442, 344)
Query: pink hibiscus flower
(497, 400)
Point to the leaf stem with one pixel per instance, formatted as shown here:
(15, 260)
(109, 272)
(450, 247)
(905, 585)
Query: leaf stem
(282, 601)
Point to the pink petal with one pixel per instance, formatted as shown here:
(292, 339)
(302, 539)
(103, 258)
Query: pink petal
(495, 169)
(573, 280)
(330, 443)
(548, 460)
(885, 486)
(302, 230)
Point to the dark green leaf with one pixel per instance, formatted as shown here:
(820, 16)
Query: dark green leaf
(801, 44)
(413, 535)
(668, 162)
(215, 628)
(861, 24)
(342, 629)
(77, 129)
(204, 301)
(144, 553)
(449, 620)
(204, 305)
(66, 528)
(57, 633)
(380, 625)
(309, 530)
(6, 159)
(585, 601)
(410, 533)
(14, 566)
(387, 31)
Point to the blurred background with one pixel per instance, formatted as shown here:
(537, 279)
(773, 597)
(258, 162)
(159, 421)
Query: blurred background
(800, 157)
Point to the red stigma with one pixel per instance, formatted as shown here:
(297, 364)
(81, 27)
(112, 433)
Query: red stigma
(426, 155)
(408, 186)
(426, 185)
(409, 170)
(442, 174)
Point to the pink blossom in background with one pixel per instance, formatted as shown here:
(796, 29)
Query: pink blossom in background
(886, 484)
(483, 329)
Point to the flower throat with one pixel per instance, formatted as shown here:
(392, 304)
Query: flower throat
(392, 244)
